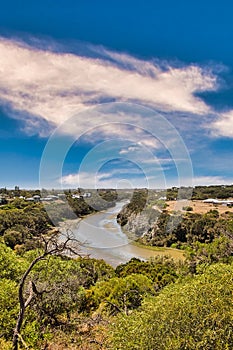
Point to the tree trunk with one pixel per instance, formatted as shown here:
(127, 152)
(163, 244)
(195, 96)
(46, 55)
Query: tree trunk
(17, 329)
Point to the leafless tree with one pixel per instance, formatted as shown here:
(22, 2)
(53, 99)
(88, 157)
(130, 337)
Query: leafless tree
(55, 244)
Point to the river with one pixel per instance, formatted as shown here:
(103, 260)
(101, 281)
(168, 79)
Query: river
(102, 238)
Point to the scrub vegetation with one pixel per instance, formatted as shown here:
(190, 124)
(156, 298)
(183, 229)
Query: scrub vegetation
(75, 302)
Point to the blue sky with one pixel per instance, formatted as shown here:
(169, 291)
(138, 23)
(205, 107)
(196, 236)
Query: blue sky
(116, 93)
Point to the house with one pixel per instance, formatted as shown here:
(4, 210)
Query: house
(30, 199)
(61, 195)
(35, 198)
(53, 197)
(76, 196)
(46, 199)
(227, 202)
(210, 200)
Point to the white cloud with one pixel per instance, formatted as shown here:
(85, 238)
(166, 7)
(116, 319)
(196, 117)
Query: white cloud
(97, 180)
(83, 179)
(223, 126)
(104, 180)
(211, 180)
(54, 86)
(149, 142)
(77, 180)
(129, 149)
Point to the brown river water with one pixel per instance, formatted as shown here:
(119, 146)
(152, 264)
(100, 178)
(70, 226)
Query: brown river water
(101, 237)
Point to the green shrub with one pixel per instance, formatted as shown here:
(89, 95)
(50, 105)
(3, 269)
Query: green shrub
(8, 307)
(188, 208)
(119, 294)
(195, 314)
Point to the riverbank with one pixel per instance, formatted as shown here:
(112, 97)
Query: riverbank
(102, 237)
(69, 224)
(175, 253)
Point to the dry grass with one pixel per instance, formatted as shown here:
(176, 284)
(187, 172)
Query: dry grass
(197, 206)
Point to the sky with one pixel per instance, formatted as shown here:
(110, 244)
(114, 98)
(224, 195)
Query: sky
(116, 93)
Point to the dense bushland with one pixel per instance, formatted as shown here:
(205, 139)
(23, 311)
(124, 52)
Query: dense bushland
(83, 303)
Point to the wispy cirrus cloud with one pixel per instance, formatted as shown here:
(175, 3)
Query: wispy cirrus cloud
(45, 87)
(129, 149)
(38, 84)
(146, 141)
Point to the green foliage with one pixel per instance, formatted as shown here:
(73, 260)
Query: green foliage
(136, 205)
(194, 314)
(60, 284)
(186, 230)
(152, 304)
(34, 334)
(102, 200)
(202, 254)
(57, 283)
(80, 206)
(119, 294)
(93, 270)
(12, 237)
(5, 345)
(160, 270)
(108, 195)
(168, 229)
(203, 192)
(11, 266)
(58, 212)
(19, 226)
(8, 307)
(188, 208)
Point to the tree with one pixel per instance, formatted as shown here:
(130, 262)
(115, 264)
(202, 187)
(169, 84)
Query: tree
(11, 266)
(193, 314)
(203, 254)
(161, 270)
(119, 294)
(52, 245)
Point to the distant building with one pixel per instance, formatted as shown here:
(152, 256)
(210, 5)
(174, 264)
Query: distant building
(46, 199)
(30, 199)
(227, 202)
(76, 196)
(209, 200)
(61, 195)
(53, 196)
(36, 198)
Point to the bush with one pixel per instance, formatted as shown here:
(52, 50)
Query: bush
(195, 314)
(8, 308)
(119, 294)
(188, 208)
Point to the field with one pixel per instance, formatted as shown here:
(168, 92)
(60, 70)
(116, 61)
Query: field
(197, 206)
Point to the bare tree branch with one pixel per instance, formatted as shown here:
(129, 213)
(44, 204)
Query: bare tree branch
(55, 244)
